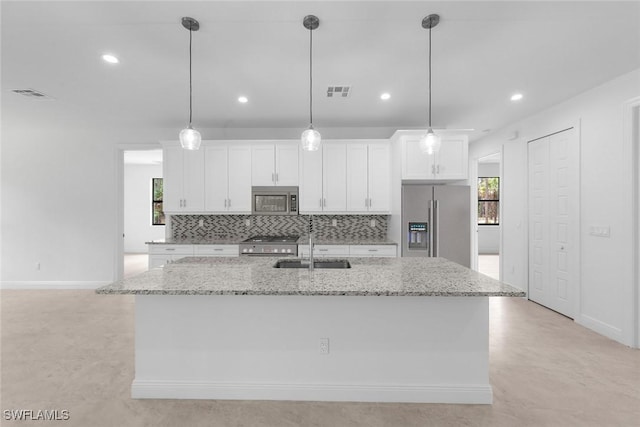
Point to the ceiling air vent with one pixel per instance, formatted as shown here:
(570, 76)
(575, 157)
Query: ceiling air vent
(30, 93)
(338, 91)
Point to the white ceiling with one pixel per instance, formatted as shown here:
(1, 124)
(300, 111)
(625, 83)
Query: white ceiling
(482, 53)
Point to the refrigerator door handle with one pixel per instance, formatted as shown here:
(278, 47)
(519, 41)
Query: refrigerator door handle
(437, 219)
(431, 229)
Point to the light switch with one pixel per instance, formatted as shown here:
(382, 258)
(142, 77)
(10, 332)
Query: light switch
(600, 231)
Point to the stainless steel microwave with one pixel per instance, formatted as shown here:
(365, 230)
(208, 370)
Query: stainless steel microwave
(274, 200)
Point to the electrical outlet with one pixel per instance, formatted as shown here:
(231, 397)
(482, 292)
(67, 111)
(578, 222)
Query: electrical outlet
(247, 222)
(201, 222)
(334, 222)
(372, 223)
(324, 346)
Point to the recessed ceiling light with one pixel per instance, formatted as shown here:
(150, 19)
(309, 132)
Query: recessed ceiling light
(516, 97)
(385, 96)
(110, 59)
(243, 99)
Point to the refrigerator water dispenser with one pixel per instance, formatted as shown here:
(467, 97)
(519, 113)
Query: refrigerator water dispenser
(418, 235)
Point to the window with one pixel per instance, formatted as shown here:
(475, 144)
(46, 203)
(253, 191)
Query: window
(489, 200)
(157, 209)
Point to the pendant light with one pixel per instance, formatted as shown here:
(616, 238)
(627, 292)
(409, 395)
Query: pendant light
(430, 142)
(310, 138)
(189, 137)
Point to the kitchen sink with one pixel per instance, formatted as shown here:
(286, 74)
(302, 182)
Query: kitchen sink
(319, 263)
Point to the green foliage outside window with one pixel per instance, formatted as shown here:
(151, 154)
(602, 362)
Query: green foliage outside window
(489, 201)
(156, 202)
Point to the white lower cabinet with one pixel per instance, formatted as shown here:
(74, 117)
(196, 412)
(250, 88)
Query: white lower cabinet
(373, 250)
(160, 255)
(335, 251)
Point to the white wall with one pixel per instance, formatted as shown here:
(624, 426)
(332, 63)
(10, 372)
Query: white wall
(137, 207)
(606, 273)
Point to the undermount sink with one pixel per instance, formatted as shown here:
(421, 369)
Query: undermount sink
(319, 263)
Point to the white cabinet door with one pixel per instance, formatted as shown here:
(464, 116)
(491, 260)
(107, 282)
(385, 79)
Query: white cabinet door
(183, 175)
(216, 173)
(452, 159)
(416, 164)
(379, 172)
(357, 178)
(373, 250)
(263, 165)
(172, 178)
(286, 170)
(193, 187)
(239, 179)
(334, 177)
(311, 181)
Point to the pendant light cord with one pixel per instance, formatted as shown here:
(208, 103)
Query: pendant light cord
(429, 77)
(310, 77)
(190, 86)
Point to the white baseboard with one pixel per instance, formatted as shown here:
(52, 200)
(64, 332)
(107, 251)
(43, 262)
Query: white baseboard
(51, 284)
(174, 389)
(601, 327)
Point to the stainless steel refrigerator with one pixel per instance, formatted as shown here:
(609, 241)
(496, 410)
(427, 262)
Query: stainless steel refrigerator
(436, 222)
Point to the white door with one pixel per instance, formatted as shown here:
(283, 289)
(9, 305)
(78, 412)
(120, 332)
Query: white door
(334, 177)
(215, 159)
(357, 178)
(553, 221)
(286, 164)
(263, 165)
(379, 173)
(239, 178)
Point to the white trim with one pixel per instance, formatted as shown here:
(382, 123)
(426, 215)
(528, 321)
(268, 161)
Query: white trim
(600, 327)
(632, 292)
(447, 393)
(60, 284)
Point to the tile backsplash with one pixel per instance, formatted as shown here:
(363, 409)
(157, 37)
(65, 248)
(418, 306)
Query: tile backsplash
(235, 226)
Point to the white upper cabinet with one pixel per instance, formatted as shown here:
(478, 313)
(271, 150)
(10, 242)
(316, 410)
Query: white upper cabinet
(183, 179)
(323, 179)
(274, 164)
(449, 163)
(368, 177)
(228, 178)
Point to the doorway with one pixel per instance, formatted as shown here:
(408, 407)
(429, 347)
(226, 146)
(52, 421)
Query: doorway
(139, 168)
(488, 218)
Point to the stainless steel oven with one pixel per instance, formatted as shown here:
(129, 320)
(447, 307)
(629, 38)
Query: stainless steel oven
(274, 200)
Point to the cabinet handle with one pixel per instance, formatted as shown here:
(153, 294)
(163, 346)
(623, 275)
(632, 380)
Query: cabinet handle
(273, 177)
(185, 203)
(373, 250)
(433, 169)
(321, 202)
(370, 203)
(324, 203)
(170, 249)
(438, 169)
(276, 176)
(225, 203)
(323, 250)
(217, 249)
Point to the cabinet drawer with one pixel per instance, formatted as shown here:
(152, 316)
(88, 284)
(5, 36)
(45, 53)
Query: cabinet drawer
(171, 249)
(325, 250)
(216, 250)
(373, 250)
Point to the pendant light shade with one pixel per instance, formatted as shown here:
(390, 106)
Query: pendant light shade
(189, 137)
(430, 143)
(310, 138)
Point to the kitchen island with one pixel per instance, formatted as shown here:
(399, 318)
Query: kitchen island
(386, 330)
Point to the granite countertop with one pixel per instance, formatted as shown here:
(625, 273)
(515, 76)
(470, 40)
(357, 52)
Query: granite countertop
(366, 277)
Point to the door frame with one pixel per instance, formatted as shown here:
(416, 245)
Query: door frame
(631, 147)
(475, 230)
(119, 150)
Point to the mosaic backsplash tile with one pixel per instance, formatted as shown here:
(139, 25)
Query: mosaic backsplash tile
(235, 226)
